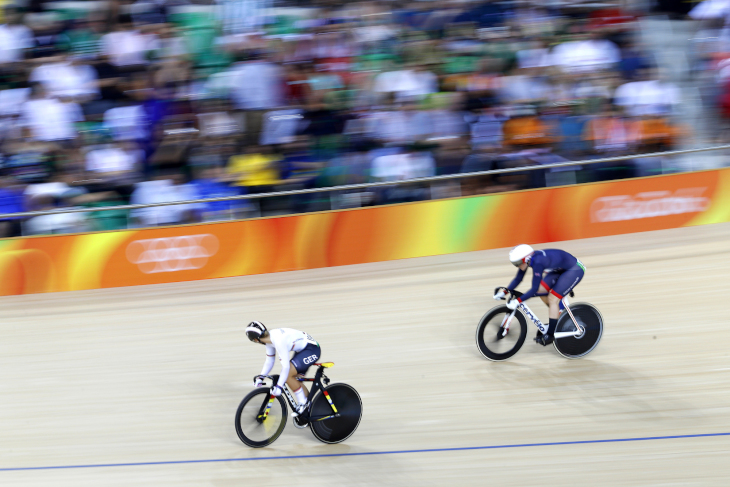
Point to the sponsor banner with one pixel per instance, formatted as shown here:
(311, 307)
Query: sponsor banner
(639, 205)
(153, 256)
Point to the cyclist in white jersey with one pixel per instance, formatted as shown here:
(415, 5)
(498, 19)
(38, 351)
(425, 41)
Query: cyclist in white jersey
(284, 341)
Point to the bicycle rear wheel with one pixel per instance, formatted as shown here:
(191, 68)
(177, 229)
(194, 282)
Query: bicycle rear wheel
(349, 408)
(251, 428)
(488, 341)
(591, 320)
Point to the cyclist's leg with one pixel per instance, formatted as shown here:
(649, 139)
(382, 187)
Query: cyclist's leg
(543, 292)
(548, 282)
(565, 283)
(300, 363)
(292, 381)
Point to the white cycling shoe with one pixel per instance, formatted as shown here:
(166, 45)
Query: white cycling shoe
(300, 409)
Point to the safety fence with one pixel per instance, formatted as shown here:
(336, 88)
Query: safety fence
(343, 189)
(363, 235)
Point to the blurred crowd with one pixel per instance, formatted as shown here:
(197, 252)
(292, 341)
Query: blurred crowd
(711, 63)
(158, 101)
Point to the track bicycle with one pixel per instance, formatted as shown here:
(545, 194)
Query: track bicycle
(501, 331)
(333, 414)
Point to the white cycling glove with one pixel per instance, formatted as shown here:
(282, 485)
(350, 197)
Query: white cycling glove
(512, 303)
(276, 390)
(258, 382)
(500, 294)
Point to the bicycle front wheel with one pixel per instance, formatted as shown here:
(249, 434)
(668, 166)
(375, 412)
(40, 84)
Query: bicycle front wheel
(579, 346)
(252, 428)
(492, 342)
(322, 421)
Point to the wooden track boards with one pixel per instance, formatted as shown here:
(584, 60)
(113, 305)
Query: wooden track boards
(154, 374)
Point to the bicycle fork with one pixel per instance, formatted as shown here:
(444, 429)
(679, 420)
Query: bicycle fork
(506, 321)
(265, 413)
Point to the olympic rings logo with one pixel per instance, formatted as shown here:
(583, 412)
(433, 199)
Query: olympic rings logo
(172, 254)
(649, 205)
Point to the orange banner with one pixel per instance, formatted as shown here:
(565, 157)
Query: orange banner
(152, 256)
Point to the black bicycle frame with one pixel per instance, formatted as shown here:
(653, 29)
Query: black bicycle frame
(318, 378)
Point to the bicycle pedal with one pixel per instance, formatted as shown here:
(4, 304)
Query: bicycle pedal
(545, 340)
(300, 410)
(300, 423)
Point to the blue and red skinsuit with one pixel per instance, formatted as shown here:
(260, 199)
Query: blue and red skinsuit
(557, 270)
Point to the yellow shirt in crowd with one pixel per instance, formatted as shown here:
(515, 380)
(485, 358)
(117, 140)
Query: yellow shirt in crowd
(254, 169)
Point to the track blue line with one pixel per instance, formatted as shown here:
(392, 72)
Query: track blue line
(356, 454)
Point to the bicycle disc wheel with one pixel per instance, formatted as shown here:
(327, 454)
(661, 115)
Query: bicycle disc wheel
(589, 318)
(495, 348)
(251, 430)
(349, 407)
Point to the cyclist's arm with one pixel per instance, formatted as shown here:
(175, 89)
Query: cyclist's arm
(270, 359)
(283, 351)
(536, 280)
(517, 280)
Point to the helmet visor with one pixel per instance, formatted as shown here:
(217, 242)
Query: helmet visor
(253, 333)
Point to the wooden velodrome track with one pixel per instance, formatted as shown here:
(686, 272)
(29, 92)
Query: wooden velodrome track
(138, 386)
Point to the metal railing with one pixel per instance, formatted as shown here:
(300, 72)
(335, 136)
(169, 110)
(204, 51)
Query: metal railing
(349, 187)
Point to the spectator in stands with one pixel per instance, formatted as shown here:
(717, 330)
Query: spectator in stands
(211, 182)
(126, 121)
(256, 87)
(63, 190)
(483, 159)
(255, 168)
(647, 96)
(282, 126)
(585, 53)
(50, 119)
(521, 88)
(84, 37)
(28, 161)
(126, 47)
(15, 38)
(347, 94)
(117, 163)
(525, 129)
(609, 133)
(633, 60)
(215, 119)
(11, 201)
(406, 84)
(56, 222)
(166, 187)
(67, 77)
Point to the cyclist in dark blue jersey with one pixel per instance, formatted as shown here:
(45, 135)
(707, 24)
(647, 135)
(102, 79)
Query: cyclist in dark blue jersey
(554, 274)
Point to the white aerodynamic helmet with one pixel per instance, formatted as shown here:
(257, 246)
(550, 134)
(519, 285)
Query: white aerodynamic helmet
(255, 330)
(520, 254)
